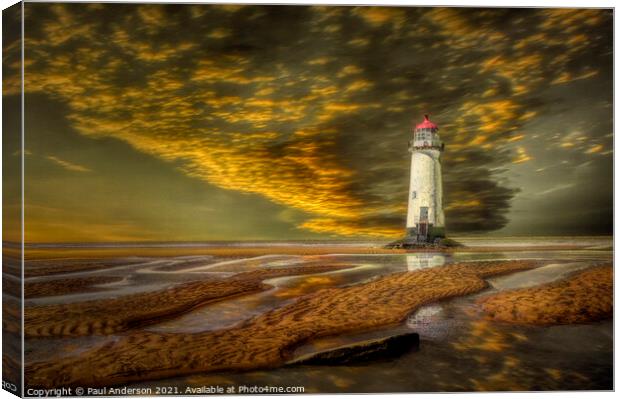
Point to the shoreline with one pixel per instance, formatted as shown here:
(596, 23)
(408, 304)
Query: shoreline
(41, 255)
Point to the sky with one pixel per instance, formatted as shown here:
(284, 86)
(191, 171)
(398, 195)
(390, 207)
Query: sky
(228, 122)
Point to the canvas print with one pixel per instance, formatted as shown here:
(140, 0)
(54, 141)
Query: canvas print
(294, 199)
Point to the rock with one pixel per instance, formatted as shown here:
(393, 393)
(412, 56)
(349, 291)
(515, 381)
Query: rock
(380, 348)
(450, 243)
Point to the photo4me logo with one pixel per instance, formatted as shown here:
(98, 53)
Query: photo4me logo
(251, 389)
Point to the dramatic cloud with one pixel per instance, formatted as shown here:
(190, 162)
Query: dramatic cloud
(311, 107)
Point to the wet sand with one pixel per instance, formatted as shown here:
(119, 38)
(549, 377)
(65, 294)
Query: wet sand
(583, 297)
(88, 258)
(12, 286)
(11, 317)
(268, 340)
(67, 286)
(108, 316)
(11, 259)
(86, 255)
(49, 267)
(508, 248)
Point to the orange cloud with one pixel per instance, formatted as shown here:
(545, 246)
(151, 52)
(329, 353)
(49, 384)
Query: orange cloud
(231, 121)
(522, 156)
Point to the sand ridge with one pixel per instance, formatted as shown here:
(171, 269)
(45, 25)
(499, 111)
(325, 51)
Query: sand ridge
(583, 297)
(113, 315)
(268, 340)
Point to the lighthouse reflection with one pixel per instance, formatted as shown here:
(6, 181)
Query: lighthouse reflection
(424, 260)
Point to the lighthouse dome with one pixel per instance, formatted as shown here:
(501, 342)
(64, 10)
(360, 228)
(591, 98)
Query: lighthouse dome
(425, 136)
(427, 124)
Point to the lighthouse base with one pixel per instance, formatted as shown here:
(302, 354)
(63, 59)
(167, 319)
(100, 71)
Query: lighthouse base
(437, 244)
(425, 233)
(429, 236)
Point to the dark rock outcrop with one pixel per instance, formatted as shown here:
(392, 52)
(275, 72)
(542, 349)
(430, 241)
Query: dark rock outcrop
(381, 348)
(439, 243)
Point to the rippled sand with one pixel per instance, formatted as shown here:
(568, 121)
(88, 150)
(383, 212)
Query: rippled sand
(108, 316)
(267, 340)
(584, 297)
(67, 286)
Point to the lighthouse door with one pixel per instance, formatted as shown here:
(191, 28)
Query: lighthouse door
(423, 227)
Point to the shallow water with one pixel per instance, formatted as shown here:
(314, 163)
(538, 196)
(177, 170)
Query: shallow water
(459, 351)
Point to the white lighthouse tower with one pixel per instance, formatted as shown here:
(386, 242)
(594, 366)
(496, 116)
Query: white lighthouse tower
(425, 219)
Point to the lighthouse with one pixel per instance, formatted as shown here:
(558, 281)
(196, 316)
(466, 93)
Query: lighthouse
(425, 219)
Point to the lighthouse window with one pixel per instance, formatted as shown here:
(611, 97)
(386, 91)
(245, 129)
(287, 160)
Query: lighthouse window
(413, 195)
(424, 214)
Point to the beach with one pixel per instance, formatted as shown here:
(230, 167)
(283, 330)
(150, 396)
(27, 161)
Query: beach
(192, 318)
